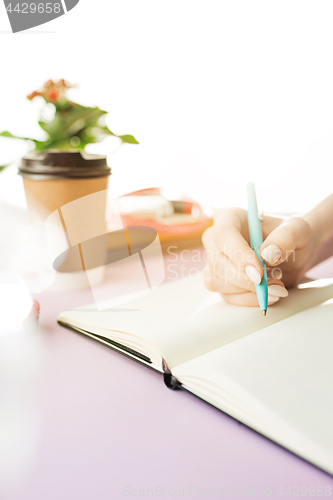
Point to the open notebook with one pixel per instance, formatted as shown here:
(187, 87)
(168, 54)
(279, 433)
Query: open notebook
(272, 373)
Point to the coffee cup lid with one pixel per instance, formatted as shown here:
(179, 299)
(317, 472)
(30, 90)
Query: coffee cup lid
(55, 164)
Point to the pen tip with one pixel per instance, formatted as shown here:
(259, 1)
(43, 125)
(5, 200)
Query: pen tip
(264, 312)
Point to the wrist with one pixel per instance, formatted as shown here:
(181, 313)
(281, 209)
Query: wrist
(318, 232)
(320, 220)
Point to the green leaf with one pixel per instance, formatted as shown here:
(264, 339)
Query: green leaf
(38, 144)
(11, 136)
(64, 145)
(2, 167)
(71, 121)
(107, 131)
(41, 145)
(129, 139)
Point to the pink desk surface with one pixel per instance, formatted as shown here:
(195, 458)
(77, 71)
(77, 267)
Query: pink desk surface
(104, 427)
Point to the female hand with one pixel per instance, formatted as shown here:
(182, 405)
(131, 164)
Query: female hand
(232, 267)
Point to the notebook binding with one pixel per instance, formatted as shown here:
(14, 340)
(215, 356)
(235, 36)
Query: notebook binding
(170, 381)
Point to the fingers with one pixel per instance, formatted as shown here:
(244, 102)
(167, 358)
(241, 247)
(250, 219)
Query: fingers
(233, 268)
(276, 290)
(275, 287)
(292, 235)
(215, 284)
(229, 240)
(248, 299)
(222, 268)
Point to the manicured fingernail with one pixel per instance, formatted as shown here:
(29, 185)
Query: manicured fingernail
(271, 254)
(272, 298)
(277, 291)
(253, 274)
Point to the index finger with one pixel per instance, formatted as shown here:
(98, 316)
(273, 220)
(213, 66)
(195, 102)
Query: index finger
(230, 241)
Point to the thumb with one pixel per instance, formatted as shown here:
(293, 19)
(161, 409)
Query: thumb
(292, 235)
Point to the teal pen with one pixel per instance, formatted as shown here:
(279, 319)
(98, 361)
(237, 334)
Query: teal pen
(256, 241)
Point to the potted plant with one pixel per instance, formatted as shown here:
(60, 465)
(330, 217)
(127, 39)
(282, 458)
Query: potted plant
(73, 126)
(58, 171)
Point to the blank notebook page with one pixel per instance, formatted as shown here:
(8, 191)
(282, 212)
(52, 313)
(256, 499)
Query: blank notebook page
(286, 368)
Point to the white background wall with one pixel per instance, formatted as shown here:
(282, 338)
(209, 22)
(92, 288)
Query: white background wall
(216, 92)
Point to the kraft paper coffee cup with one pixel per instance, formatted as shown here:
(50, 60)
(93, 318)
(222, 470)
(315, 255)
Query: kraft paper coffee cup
(53, 179)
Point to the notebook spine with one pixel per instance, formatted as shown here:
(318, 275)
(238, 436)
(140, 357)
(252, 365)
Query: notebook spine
(170, 381)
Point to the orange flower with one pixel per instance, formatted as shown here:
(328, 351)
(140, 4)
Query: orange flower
(53, 95)
(52, 91)
(33, 94)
